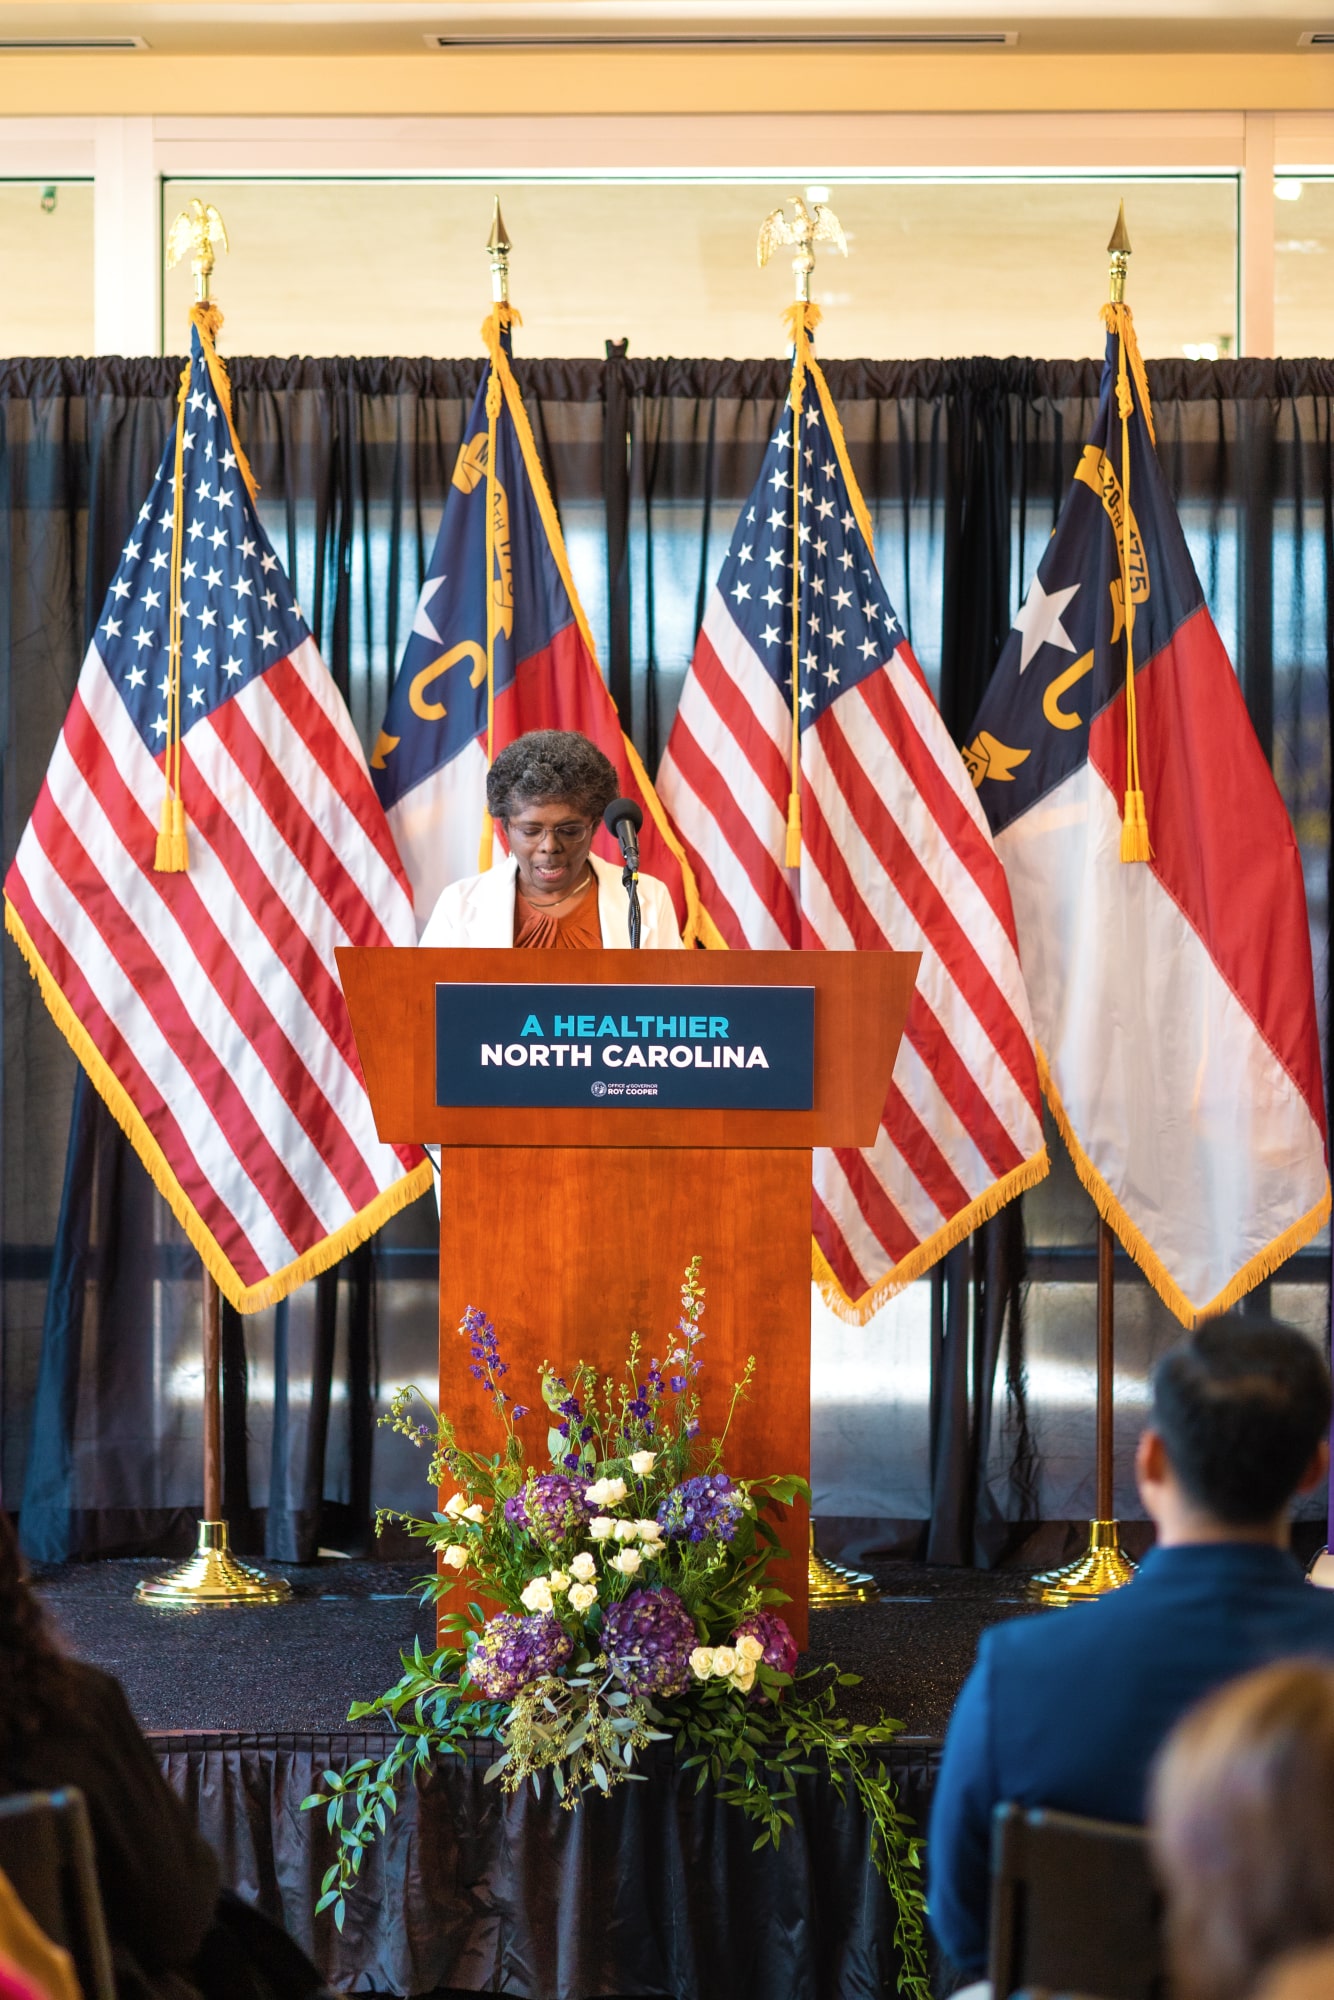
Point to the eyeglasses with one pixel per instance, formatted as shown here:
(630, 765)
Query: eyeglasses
(567, 834)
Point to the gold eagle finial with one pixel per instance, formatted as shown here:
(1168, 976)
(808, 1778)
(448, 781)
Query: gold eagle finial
(817, 224)
(198, 233)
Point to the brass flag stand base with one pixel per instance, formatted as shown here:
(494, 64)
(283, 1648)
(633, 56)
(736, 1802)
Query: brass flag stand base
(213, 1576)
(829, 1583)
(1103, 1566)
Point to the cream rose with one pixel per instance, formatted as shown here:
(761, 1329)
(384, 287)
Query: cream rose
(642, 1462)
(600, 1527)
(455, 1505)
(627, 1562)
(606, 1493)
(744, 1677)
(584, 1567)
(626, 1531)
(701, 1662)
(536, 1596)
(582, 1595)
(648, 1531)
(454, 1557)
(724, 1662)
(748, 1647)
(473, 1513)
(558, 1580)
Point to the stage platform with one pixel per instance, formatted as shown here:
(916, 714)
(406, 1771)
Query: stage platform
(655, 1893)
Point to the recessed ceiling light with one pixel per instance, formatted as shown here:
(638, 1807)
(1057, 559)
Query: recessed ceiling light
(41, 45)
(930, 38)
(1286, 190)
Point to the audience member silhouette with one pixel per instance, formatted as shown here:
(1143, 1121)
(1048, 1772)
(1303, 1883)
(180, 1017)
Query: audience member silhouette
(1242, 1819)
(62, 1722)
(1068, 1709)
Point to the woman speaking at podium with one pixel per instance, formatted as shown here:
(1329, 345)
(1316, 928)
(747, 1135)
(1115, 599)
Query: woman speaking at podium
(549, 790)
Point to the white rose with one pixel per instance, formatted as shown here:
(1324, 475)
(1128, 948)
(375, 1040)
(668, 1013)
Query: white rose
(473, 1513)
(749, 1648)
(642, 1462)
(626, 1531)
(600, 1527)
(648, 1531)
(584, 1567)
(724, 1662)
(606, 1493)
(653, 1549)
(536, 1596)
(455, 1505)
(582, 1595)
(744, 1677)
(454, 1557)
(627, 1562)
(701, 1662)
(558, 1580)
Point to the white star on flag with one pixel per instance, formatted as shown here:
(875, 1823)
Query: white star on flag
(1039, 620)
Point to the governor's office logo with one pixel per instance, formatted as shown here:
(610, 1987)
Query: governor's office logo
(598, 1089)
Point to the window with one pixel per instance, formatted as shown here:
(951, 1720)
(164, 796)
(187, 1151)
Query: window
(46, 267)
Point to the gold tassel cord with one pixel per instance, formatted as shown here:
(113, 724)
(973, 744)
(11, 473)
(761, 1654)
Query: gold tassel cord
(801, 320)
(172, 852)
(697, 928)
(1135, 842)
(501, 317)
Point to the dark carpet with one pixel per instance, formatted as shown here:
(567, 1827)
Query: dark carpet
(296, 1666)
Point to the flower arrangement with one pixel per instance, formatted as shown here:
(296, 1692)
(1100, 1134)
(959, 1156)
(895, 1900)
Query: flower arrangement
(632, 1576)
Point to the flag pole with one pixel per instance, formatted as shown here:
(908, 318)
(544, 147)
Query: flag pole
(1104, 1565)
(212, 1576)
(828, 1583)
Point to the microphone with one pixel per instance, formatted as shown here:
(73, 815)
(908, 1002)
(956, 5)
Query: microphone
(623, 819)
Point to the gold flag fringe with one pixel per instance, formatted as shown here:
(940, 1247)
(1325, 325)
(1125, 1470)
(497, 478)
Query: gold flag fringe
(246, 1298)
(1259, 1267)
(696, 925)
(857, 1312)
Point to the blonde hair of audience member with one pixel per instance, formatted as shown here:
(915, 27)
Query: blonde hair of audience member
(1242, 1820)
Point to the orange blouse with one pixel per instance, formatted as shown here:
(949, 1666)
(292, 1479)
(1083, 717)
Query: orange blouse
(578, 930)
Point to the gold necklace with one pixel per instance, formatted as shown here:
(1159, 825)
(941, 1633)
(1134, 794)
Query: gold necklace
(556, 901)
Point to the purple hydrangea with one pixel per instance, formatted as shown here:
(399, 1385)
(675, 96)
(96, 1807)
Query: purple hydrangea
(549, 1506)
(514, 1651)
(780, 1648)
(706, 1505)
(649, 1637)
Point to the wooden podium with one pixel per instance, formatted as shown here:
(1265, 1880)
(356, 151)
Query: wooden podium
(572, 1226)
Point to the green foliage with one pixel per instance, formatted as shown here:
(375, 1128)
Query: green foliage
(636, 1446)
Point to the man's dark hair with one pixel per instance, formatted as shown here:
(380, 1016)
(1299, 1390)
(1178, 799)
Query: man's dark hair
(1241, 1406)
(549, 766)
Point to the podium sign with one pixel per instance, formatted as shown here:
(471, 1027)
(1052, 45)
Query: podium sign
(571, 1222)
(736, 1048)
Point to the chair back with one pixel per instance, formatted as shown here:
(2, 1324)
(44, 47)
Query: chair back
(46, 1850)
(1074, 1907)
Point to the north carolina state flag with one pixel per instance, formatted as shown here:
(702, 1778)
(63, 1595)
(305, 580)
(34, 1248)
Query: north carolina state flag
(430, 762)
(1172, 997)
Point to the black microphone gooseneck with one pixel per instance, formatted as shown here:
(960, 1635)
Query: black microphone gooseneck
(623, 819)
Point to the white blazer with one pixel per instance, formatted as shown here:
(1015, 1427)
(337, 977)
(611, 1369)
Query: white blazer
(479, 910)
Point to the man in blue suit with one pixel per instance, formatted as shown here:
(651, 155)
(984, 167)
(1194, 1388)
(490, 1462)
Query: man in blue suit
(1067, 1710)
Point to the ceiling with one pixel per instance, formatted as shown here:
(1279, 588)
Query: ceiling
(400, 27)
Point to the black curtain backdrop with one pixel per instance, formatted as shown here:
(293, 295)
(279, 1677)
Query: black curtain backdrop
(964, 465)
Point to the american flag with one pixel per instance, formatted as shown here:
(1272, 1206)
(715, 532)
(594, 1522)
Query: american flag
(894, 854)
(206, 1005)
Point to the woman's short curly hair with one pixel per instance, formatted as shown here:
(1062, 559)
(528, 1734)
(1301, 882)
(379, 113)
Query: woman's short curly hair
(548, 766)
